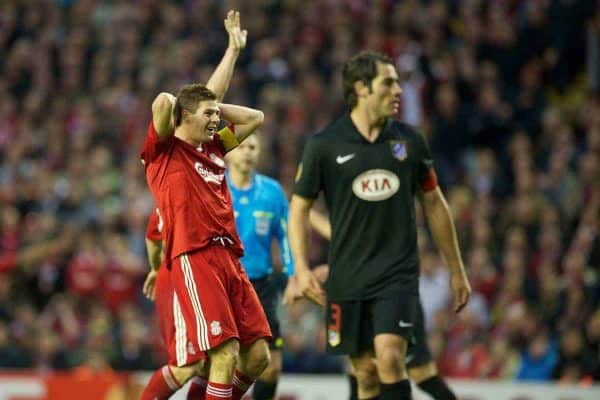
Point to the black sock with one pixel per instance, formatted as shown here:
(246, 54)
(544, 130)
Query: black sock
(264, 390)
(396, 391)
(353, 387)
(437, 388)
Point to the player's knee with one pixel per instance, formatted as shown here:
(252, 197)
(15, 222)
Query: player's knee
(272, 372)
(183, 374)
(391, 361)
(259, 359)
(225, 356)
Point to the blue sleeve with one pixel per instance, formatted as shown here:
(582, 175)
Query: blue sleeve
(281, 232)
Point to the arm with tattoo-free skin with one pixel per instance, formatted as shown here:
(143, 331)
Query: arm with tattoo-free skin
(218, 83)
(440, 223)
(299, 228)
(154, 250)
(244, 119)
(320, 223)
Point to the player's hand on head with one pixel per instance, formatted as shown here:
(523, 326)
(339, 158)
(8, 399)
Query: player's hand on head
(461, 290)
(149, 288)
(237, 35)
(311, 287)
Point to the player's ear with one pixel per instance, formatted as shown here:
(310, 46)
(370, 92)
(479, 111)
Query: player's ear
(185, 114)
(361, 89)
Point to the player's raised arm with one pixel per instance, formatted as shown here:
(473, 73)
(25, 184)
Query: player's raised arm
(244, 119)
(162, 111)
(218, 83)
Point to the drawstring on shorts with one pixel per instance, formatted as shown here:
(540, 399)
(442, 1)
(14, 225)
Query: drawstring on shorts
(222, 240)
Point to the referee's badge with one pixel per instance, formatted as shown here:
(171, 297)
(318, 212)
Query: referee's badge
(263, 222)
(399, 149)
(334, 338)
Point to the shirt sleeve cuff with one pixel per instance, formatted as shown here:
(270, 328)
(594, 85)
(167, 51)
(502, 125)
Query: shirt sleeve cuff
(431, 182)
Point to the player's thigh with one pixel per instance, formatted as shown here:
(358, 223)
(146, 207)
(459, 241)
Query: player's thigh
(418, 353)
(249, 314)
(395, 313)
(201, 303)
(394, 324)
(268, 296)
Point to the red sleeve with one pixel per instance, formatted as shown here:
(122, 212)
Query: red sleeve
(153, 229)
(431, 182)
(153, 145)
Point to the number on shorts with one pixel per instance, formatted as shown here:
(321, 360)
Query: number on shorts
(335, 317)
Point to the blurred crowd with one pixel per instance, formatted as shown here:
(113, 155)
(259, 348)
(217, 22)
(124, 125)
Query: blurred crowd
(506, 91)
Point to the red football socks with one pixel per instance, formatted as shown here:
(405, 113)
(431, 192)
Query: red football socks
(241, 384)
(218, 391)
(161, 386)
(197, 389)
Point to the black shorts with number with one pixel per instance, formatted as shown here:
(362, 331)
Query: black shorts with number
(268, 294)
(352, 325)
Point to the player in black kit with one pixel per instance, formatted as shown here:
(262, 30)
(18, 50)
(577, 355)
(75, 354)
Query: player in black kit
(370, 168)
(420, 365)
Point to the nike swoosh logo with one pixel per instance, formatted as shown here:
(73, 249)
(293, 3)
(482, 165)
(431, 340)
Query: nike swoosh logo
(403, 324)
(343, 159)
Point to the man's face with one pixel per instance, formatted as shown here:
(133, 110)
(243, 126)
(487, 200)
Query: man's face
(205, 121)
(245, 157)
(384, 98)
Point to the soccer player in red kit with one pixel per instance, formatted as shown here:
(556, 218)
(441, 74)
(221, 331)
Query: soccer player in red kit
(157, 287)
(215, 307)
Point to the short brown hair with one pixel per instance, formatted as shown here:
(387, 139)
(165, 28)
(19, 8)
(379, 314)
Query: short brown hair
(188, 98)
(361, 67)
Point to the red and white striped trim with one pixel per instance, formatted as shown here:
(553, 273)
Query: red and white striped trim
(190, 284)
(180, 333)
(218, 392)
(169, 378)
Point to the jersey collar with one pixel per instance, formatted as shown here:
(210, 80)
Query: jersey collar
(351, 132)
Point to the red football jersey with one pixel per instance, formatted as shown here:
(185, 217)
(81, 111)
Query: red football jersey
(189, 187)
(154, 227)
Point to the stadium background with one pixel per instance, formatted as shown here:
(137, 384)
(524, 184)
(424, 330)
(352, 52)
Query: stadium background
(507, 93)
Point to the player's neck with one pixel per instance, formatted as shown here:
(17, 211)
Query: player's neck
(183, 133)
(240, 180)
(368, 124)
